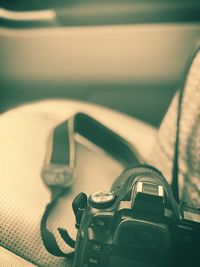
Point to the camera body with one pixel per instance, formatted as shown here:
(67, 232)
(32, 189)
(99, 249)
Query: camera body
(136, 223)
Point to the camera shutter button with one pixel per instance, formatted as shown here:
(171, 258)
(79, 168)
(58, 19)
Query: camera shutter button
(102, 200)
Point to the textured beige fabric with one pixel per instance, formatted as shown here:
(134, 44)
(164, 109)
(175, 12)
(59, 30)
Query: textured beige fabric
(24, 132)
(8, 259)
(189, 153)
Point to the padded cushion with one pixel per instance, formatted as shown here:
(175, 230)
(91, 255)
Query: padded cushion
(24, 133)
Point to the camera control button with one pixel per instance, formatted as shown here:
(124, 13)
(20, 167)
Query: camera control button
(96, 246)
(102, 200)
(101, 222)
(93, 262)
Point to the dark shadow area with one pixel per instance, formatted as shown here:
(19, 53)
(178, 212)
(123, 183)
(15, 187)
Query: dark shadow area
(147, 102)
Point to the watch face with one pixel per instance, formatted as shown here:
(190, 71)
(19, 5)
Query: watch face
(102, 197)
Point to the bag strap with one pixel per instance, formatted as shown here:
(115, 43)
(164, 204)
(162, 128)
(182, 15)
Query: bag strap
(60, 177)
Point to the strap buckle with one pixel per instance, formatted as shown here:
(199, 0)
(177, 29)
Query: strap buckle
(58, 175)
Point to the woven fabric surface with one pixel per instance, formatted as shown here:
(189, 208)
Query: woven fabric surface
(8, 259)
(189, 147)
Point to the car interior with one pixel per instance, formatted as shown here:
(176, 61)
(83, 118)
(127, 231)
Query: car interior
(120, 62)
(127, 55)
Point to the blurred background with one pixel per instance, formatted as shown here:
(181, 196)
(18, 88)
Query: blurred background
(129, 55)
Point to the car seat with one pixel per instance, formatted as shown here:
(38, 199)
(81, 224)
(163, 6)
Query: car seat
(24, 133)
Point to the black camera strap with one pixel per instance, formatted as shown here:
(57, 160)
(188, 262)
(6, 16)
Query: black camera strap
(59, 177)
(175, 166)
(109, 141)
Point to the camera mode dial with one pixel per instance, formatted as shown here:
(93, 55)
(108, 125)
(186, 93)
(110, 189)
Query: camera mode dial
(102, 200)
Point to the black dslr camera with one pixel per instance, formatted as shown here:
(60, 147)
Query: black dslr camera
(138, 223)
